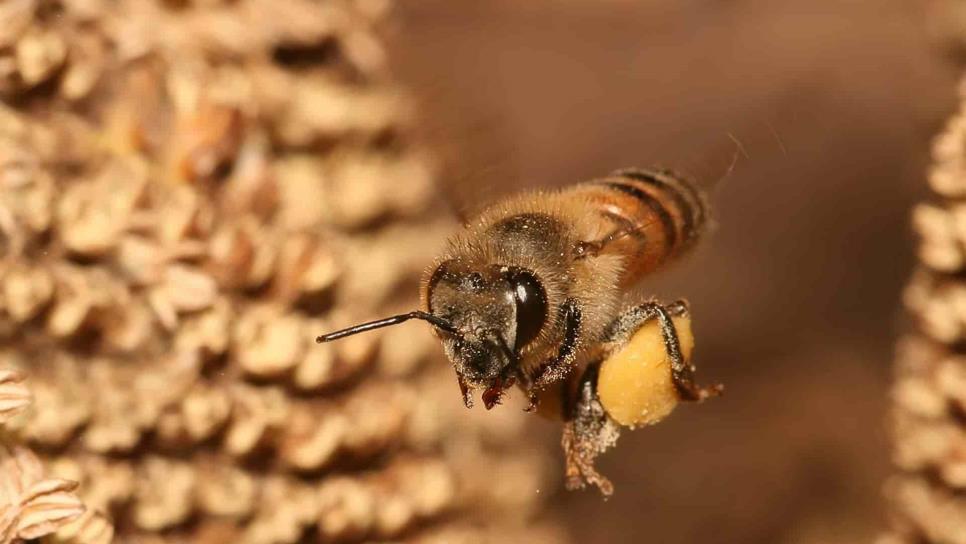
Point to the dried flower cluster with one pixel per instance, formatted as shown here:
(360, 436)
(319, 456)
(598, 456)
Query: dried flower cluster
(190, 191)
(929, 395)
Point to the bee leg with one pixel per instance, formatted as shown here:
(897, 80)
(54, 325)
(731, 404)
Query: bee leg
(557, 368)
(588, 432)
(682, 372)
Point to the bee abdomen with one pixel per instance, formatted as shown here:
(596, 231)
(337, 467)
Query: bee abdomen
(661, 211)
(674, 201)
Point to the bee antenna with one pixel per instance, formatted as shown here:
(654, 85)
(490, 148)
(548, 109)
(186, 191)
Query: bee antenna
(436, 321)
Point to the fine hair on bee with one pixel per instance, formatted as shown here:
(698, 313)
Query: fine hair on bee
(532, 293)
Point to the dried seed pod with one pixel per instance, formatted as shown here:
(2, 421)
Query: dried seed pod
(267, 342)
(313, 437)
(26, 291)
(60, 408)
(209, 332)
(306, 269)
(242, 255)
(257, 415)
(226, 491)
(93, 215)
(26, 198)
(205, 411)
(347, 509)
(283, 520)
(129, 327)
(105, 484)
(188, 289)
(163, 493)
(208, 141)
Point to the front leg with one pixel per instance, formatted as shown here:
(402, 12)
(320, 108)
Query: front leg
(588, 432)
(557, 368)
(682, 372)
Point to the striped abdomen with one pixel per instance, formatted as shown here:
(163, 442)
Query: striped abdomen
(654, 215)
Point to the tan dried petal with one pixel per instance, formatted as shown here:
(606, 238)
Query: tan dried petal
(39, 54)
(85, 221)
(8, 522)
(114, 426)
(252, 188)
(140, 259)
(267, 342)
(164, 385)
(163, 493)
(47, 487)
(14, 395)
(242, 255)
(226, 491)
(209, 331)
(129, 327)
(93, 527)
(364, 51)
(257, 414)
(205, 411)
(378, 417)
(347, 509)
(208, 141)
(15, 17)
(305, 269)
(313, 437)
(164, 309)
(189, 289)
(59, 408)
(48, 512)
(87, 62)
(26, 290)
(84, 297)
(181, 214)
(36, 505)
(317, 368)
(321, 109)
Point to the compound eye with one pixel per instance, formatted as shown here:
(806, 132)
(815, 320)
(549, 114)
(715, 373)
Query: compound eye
(531, 302)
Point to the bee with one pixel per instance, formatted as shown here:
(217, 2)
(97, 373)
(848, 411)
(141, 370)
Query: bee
(531, 293)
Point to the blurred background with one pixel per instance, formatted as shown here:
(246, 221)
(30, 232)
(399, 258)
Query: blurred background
(795, 293)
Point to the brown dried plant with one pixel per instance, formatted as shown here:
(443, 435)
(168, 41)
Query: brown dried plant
(190, 191)
(929, 394)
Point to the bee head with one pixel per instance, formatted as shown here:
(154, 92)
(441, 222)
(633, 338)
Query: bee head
(486, 316)
(497, 309)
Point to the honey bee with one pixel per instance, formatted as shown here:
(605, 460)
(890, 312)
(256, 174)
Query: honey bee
(531, 293)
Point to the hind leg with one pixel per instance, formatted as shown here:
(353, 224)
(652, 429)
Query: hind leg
(682, 372)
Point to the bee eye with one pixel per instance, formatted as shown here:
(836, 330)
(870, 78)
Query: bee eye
(531, 302)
